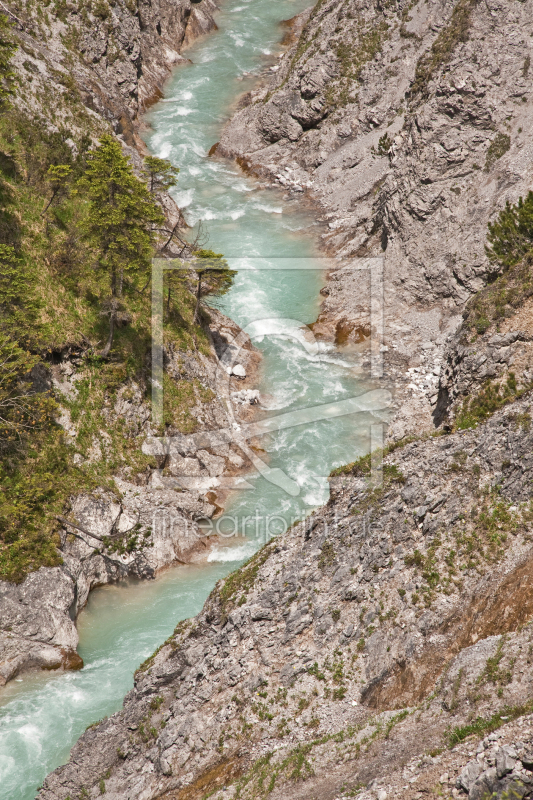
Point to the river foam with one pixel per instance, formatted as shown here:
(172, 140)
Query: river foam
(42, 716)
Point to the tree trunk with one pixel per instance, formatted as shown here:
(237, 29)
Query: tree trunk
(172, 234)
(54, 195)
(109, 344)
(198, 300)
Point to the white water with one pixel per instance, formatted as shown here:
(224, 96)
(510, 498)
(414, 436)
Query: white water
(42, 715)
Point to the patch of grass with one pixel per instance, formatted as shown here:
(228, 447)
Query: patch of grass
(498, 147)
(441, 51)
(391, 724)
(499, 299)
(147, 663)
(243, 579)
(490, 398)
(428, 567)
(416, 559)
(180, 399)
(314, 670)
(267, 773)
(327, 556)
(481, 727)
(262, 712)
(522, 420)
(101, 9)
(495, 521)
(492, 671)
(362, 468)
(353, 52)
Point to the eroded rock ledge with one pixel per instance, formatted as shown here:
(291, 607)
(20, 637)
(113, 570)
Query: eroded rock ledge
(95, 65)
(406, 126)
(345, 651)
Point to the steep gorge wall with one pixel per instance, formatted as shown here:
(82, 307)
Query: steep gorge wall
(366, 652)
(86, 67)
(407, 124)
(348, 649)
(112, 59)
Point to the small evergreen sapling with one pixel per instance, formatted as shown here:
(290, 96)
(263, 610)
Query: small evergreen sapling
(160, 174)
(57, 178)
(510, 237)
(214, 276)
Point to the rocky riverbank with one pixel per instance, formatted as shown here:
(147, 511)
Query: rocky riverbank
(407, 128)
(349, 649)
(138, 526)
(95, 66)
(382, 648)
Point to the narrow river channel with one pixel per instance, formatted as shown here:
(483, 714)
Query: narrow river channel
(268, 239)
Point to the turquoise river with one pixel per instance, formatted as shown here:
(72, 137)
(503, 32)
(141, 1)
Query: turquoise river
(272, 241)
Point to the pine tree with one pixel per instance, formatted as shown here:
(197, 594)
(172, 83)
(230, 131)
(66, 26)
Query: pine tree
(160, 174)
(57, 178)
(215, 278)
(121, 218)
(510, 238)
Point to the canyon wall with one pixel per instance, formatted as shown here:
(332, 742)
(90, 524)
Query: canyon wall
(382, 648)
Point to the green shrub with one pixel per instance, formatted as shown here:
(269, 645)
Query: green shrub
(510, 237)
(101, 9)
(490, 398)
(498, 147)
(481, 727)
(442, 49)
(384, 145)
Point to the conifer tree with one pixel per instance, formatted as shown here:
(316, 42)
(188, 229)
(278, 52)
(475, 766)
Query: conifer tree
(121, 218)
(214, 276)
(160, 174)
(57, 178)
(510, 237)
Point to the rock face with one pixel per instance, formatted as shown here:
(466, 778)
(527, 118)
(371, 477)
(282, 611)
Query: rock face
(98, 64)
(152, 525)
(367, 650)
(113, 58)
(350, 646)
(36, 628)
(407, 125)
